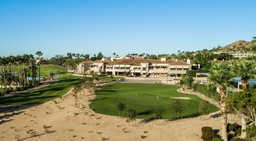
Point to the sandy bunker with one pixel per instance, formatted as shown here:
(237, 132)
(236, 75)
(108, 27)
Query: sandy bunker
(185, 98)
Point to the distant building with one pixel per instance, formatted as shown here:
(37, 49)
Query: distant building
(238, 54)
(136, 67)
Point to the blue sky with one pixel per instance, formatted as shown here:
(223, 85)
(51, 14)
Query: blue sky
(57, 27)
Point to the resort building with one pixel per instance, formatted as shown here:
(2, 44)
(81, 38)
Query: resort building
(238, 54)
(135, 67)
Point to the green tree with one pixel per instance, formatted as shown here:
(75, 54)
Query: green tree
(246, 70)
(159, 112)
(203, 107)
(39, 53)
(178, 109)
(220, 74)
(188, 80)
(131, 114)
(251, 133)
(121, 106)
(6, 79)
(69, 55)
(99, 56)
(253, 39)
(86, 56)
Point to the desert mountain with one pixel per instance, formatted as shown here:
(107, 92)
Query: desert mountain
(240, 45)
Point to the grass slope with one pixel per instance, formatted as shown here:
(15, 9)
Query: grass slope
(145, 101)
(41, 95)
(45, 70)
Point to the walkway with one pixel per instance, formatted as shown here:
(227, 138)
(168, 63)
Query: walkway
(200, 96)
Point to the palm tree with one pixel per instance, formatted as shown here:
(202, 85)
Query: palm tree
(253, 39)
(220, 74)
(246, 70)
(11, 61)
(69, 55)
(32, 69)
(6, 78)
(26, 58)
(39, 53)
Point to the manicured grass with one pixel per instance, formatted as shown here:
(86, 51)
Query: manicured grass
(45, 70)
(41, 95)
(145, 101)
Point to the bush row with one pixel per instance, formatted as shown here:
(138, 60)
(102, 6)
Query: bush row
(209, 92)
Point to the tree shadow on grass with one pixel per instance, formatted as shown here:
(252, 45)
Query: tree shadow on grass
(146, 112)
(147, 120)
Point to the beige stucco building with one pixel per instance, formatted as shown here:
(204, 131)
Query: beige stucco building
(136, 67)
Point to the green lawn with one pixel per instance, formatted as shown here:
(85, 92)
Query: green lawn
(145, 101)
(45, 70)
(67, 81)
(41, 95)
(107, 78)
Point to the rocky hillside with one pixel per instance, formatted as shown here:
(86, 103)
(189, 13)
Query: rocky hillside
(240, 45)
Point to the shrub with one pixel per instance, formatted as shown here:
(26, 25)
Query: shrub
(237, 139)
(216, 139)
(233, 130)
(193, 72)
(237, 128)
(131, 114)
(251, 132)
(159, 112)
(121, 106)
(208, 134)
(205, 90)
(231, 127)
